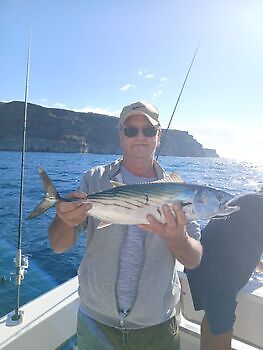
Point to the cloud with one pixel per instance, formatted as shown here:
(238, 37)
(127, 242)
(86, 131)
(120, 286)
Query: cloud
(146, 74)
(44, 102)
(162, 81)
(97, 110)
(149, 76)
(59, 105)
(87, 109)
(127, 87)
(157, 94)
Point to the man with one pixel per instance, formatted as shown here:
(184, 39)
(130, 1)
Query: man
(128, 284)
(232, 249)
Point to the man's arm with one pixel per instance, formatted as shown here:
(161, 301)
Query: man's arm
(61, 235)
(185, 248)
(69, 215)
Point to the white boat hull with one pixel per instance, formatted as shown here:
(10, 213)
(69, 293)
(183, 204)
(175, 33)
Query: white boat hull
(50, 320)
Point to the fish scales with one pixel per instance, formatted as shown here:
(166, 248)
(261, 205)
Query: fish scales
(133, 195)
(145, 197)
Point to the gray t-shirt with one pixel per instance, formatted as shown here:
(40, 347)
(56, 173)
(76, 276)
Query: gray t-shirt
(132, 253)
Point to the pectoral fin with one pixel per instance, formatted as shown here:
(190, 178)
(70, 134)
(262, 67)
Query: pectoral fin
(103, 224)
(116, 183)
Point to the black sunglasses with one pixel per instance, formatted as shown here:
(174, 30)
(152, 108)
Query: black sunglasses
(132, 131)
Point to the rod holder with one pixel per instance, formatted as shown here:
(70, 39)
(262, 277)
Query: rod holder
(14, 318)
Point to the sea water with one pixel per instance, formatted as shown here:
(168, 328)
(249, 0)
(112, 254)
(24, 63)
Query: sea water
(48, 269)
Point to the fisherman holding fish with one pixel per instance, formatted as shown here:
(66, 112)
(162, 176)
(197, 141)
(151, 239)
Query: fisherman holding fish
(128, 284)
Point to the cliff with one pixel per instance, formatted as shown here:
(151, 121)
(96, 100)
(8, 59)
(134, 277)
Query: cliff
(59, 130)
(209, 152)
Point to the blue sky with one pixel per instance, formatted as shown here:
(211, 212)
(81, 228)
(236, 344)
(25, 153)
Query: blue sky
(100, 55)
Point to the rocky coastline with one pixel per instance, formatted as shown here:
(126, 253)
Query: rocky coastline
(59, 130)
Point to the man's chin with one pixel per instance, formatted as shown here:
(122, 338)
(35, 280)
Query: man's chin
(142, 155)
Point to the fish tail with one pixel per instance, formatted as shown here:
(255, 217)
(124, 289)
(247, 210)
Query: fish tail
(51, 195)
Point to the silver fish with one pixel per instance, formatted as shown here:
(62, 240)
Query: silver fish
(130, 204)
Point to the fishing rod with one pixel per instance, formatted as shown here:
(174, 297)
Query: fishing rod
(178, 99)
(21, 261)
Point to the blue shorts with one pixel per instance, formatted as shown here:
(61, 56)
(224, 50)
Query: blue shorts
(232, 247)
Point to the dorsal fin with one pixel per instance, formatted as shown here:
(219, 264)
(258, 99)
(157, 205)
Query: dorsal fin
(116, 183)
(173, 177)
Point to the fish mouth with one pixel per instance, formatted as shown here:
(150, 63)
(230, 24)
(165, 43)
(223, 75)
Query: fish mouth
(228, 209)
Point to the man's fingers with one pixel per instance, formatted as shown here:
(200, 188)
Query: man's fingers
(68, 206)
(174, 221)
(74, 216)
(65, 206)
(170, 217)
(179, 213)
(75, 194)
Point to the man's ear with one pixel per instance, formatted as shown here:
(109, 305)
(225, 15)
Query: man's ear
(120, 137)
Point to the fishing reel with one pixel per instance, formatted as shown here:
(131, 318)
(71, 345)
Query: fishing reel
(22, 267)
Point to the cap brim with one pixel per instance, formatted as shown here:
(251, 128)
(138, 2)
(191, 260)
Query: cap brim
(151, 120)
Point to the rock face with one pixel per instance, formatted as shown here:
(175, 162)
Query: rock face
(59, 130)
(209, 152)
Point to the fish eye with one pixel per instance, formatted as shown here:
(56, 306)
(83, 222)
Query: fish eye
(218, 197)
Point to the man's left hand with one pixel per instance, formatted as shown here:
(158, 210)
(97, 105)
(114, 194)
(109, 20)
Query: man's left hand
(173, 230)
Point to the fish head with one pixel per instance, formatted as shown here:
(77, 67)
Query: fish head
(210, 202)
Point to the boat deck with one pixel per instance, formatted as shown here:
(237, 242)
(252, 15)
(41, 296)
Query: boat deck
(50, 320)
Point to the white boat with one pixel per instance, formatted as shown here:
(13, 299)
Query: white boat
(49, 322)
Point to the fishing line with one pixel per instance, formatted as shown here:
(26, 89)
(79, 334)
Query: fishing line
(178, 99)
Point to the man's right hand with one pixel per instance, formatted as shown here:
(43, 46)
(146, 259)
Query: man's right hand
(73, 213)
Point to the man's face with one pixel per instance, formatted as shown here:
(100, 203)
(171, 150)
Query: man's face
(139, 146)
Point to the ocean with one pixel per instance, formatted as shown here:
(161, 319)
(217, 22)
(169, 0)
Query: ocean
(47, 269)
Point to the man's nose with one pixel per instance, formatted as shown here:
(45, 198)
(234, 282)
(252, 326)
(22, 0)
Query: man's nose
(140, 133)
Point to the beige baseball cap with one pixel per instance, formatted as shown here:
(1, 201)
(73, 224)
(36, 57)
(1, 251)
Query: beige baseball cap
(141, 108)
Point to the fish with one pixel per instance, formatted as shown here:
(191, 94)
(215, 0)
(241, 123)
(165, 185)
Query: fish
(130, 204)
